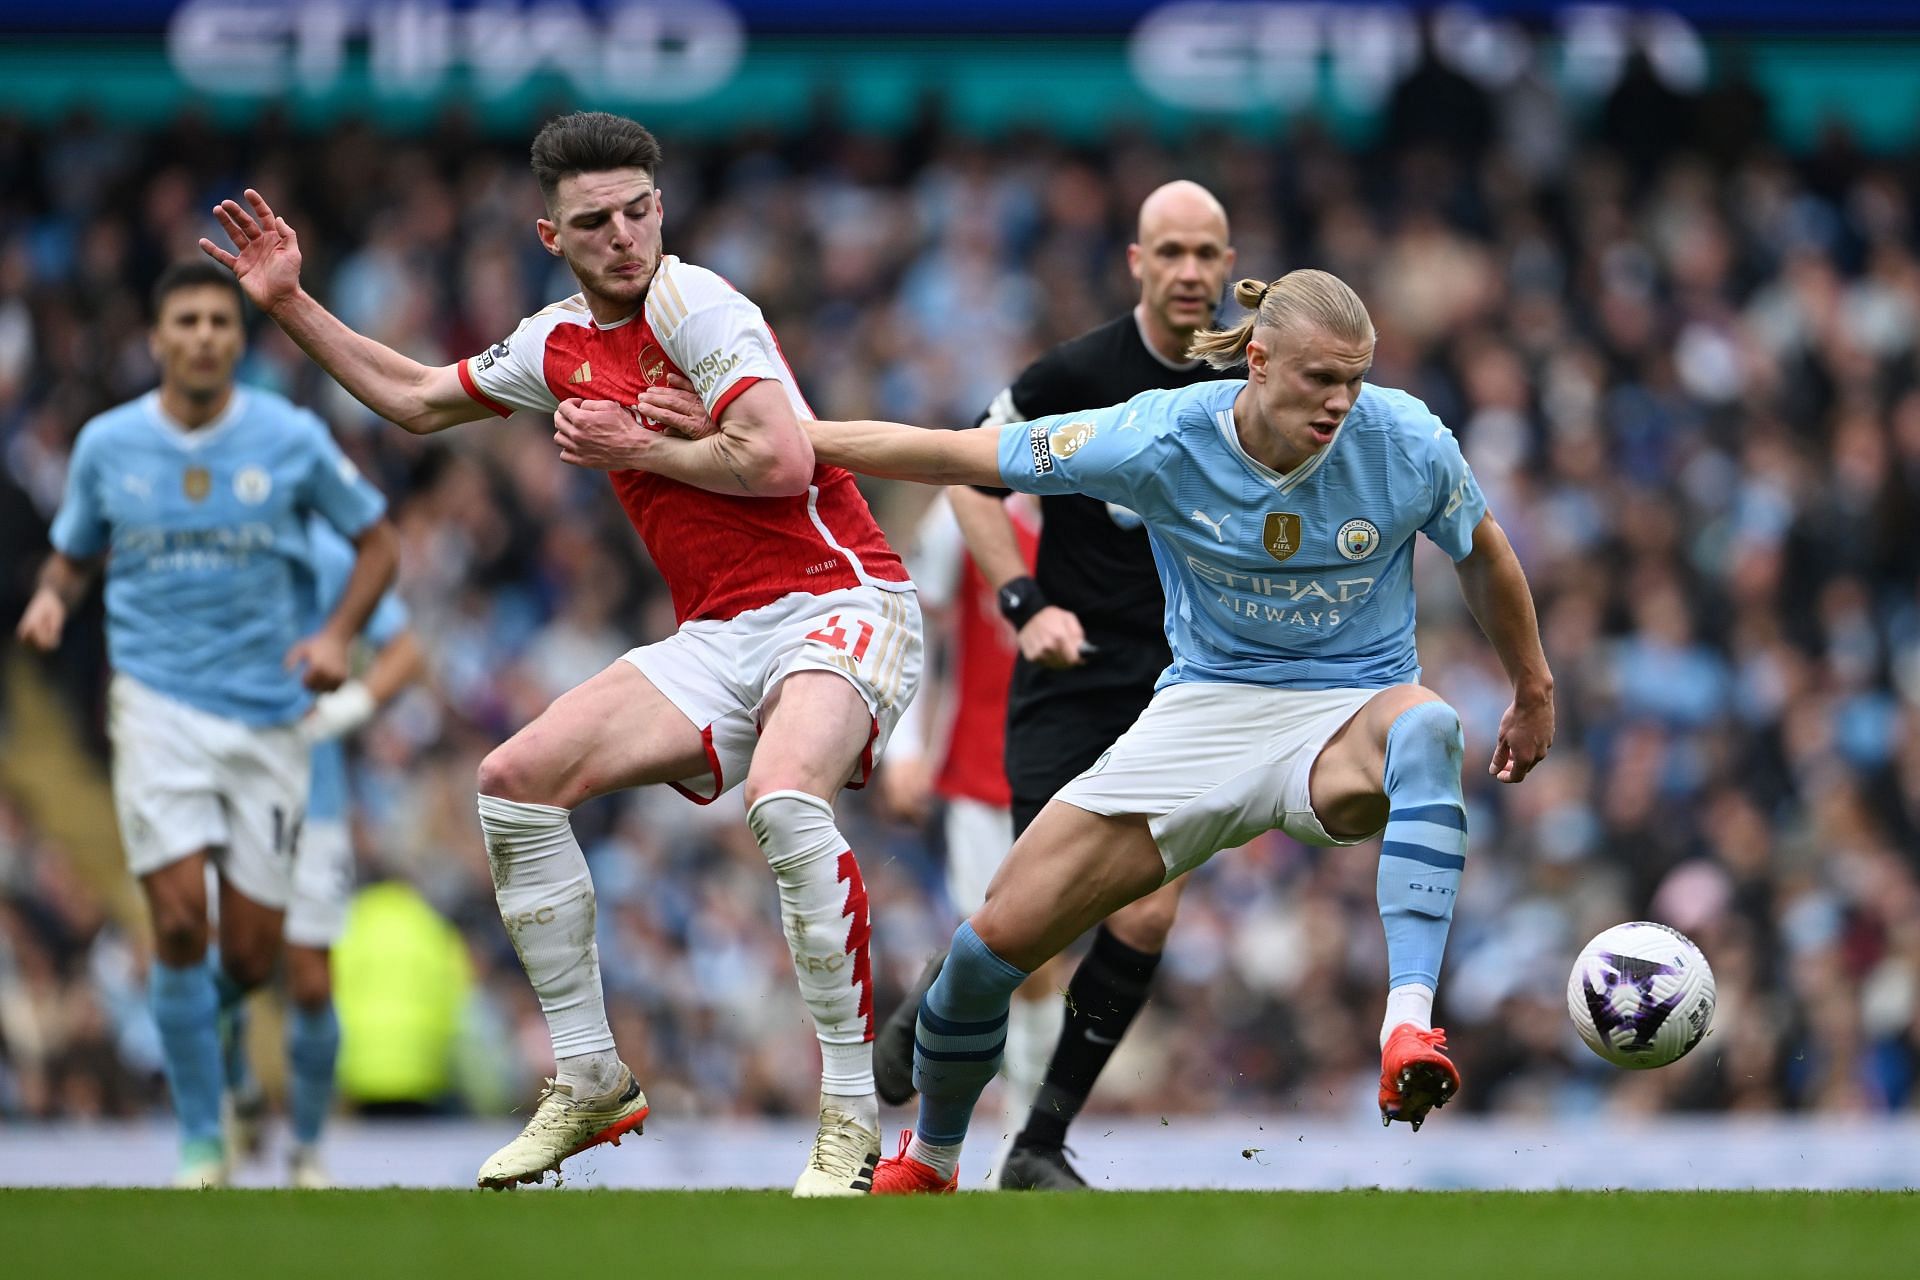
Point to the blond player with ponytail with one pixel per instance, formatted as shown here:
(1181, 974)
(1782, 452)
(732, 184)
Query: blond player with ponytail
(1283, 510)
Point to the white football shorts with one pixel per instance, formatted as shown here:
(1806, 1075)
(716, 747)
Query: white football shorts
(720, 674)
(1214, 765)
(978, 838)
(185, 779)
(322, 884)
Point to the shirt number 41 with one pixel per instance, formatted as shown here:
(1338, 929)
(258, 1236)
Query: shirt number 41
(834, 636)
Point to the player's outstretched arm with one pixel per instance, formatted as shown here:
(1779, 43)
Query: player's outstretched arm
(63, 581)
(265, 261)
(1495, 587)
(893, 451)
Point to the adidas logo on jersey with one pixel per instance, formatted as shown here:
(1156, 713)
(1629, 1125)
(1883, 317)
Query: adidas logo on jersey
(583, 374)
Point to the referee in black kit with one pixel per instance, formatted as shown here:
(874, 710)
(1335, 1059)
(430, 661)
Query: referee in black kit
(1092, 643)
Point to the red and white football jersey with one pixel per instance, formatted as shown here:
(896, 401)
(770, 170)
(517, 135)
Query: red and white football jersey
(720, 555)
(973, 762)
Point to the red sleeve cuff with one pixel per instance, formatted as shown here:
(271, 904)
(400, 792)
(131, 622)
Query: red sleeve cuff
(728, 396)
(472, 388)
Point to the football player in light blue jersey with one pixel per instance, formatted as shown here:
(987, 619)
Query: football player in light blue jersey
(323, 866)
(1282, 511)
(197, 496)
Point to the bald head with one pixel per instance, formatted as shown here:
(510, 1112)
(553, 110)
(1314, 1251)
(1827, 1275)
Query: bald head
(1181, 261)
(1181, 206)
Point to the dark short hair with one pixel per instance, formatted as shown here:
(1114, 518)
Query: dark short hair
(191, 274)
(590, 142)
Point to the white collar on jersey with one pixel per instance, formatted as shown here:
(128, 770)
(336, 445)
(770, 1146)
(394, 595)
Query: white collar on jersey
(1178, 366)
(192, 438)
(1293, 479)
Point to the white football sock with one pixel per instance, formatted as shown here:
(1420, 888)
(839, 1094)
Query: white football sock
(1033, 1031)
(823, 912)
(864, 1109)
(546, 901)
(944, 1161)
(1410, 1003)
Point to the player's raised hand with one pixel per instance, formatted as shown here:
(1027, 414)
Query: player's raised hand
(676, 409)
(1053, 638)
(601, 435)
(45, 618)
(266, 254)
(325, 657)
(1526, 734)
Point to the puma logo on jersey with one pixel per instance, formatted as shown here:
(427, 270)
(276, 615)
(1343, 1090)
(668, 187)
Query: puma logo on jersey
(1211, 523)
(1129, 424)
(583, 374)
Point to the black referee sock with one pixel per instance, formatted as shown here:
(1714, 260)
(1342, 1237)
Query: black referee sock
(1106, 992)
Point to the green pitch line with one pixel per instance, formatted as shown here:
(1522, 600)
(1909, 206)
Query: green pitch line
(366, 1235)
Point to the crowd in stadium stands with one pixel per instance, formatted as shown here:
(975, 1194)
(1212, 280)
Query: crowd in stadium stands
(1681, 361)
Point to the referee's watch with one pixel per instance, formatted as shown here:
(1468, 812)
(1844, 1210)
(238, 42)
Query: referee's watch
(1020, 599)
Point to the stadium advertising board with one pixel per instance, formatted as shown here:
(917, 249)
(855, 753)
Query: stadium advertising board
(712, 65)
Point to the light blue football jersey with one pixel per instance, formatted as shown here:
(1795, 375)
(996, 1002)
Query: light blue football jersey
(331, 566)
(1296, 581)
(206, 537)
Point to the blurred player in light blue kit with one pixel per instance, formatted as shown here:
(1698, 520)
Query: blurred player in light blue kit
(198, 497)
(1282, 511)
(323, 871)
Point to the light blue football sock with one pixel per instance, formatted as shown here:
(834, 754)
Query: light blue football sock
(313, 1048)
(961, 1034)
(1426, 841)
(236, 1067)
(187, 1008)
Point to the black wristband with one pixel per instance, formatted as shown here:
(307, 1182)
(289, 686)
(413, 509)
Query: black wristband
(1020, 599)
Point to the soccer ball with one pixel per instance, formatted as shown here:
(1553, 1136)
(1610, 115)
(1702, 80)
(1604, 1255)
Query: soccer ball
(1641, 995)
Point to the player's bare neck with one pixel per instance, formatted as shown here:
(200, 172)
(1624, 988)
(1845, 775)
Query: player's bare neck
(1261, 442)
(607, 312)
(191, 410)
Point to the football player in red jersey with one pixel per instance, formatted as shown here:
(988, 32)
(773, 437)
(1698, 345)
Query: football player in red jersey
(799, 634)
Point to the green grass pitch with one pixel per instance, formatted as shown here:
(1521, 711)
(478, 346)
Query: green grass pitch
(362, 1235)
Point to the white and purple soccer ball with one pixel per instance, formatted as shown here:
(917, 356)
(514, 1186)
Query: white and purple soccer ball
(1641, 995)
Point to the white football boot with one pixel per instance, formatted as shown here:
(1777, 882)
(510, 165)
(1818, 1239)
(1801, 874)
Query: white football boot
(844, 1155)
(563, 1125)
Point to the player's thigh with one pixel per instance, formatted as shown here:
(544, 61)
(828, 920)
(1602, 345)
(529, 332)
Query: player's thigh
(1145, 924)
(264, 773)
(814, 737)
(1069, 871)
(167, 789)
(1347, 785)
(838, 673)
(616, 730)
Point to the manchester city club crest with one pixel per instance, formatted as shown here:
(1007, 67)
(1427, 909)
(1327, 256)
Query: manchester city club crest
(197, 483)
(252, 485)
(1357, 539)
(1281, 536)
